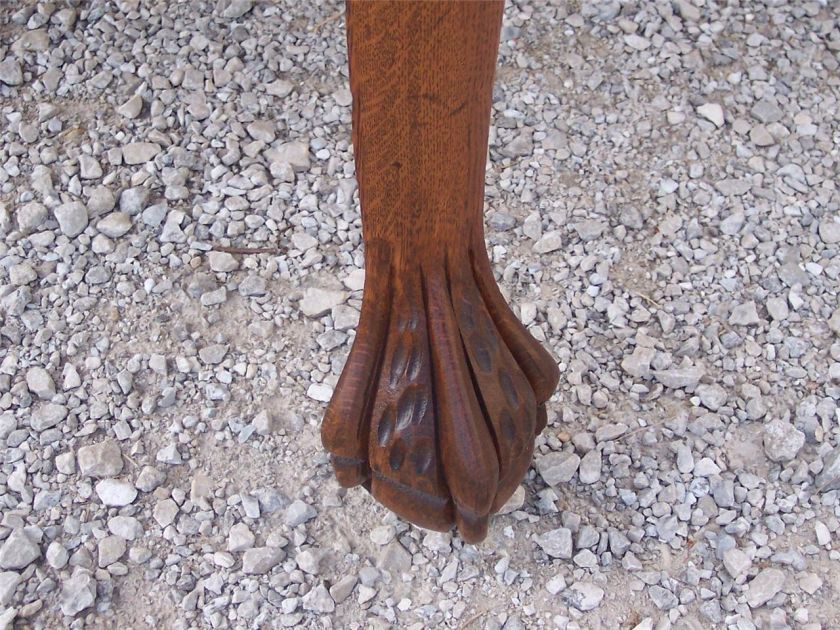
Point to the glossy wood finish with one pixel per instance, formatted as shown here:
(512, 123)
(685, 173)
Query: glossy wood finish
(442, 394)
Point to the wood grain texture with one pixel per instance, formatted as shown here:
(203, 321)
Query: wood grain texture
(442, 393)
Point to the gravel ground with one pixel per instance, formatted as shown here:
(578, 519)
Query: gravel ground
(180, 279)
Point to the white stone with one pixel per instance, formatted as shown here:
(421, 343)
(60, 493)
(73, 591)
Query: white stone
(549, 242)
(114, 224)
(46, 416)
(712, 112)
(165, 512)
(132, 107)
(140, 152)
(78, 592)
(261, 560)
(585, 595)
(18, 550)
(10, 71)
(557, 543)
(737, 563)
(557, 468)
(240, 538)
(72, 218)
(40, 383)
(113, 492)
(222, 261)
(782, 440)
(318, 302)
(764, 587)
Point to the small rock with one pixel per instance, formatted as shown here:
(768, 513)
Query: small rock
(394, 559)
(341, 590)
(295, 154)
(114, 225)
(713, 113)
(829, 231)
(57, 555)
(133, 200)
(736, 562)
(318, 600)
(767, 111)
(10, 71)
(764, 587)
(590, 230)
(556, 543)
(822, 533)
(116, 493)
(22, 274)
(169, 455)
(782, 440)
(31, 216)
(320, 392)
(18, 550)
(263, 130)
(109, 550)
(637, 42)
(777, 308)
(298, 513)
(126, 527)
(549, 242)
(522, 145)
(72, 218)
(222, 262)
(309, 561)
(47, 416)
(680, 377)
(100, 201)
(662, 598)
(761, 137)
(40, 383)
(733, 187)
(637, 364)
(252, 285)
(744, 315)
(280, 88)
(89, 167)
(261, 560)
(9, 581)
(100, 460)
(590, 467)
(149, 478)
(213, 354)
(584, 596)
(139, 152)
(557, 468)
(829, 477)
(235, 9)
(78, 592)
(713, 397)
(165, 512)
(319, 302)
(132, 107)
(515, 502)
(383, 534)
(240, 538)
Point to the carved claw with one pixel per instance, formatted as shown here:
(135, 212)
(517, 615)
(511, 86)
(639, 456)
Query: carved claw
(441, 397)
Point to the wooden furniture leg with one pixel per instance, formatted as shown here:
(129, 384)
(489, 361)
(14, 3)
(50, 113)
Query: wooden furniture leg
(442, 394)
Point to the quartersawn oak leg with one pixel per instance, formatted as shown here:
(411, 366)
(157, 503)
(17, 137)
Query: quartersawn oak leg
(442, 394)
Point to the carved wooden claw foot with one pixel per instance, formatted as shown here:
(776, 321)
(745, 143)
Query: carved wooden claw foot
(441, 396)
